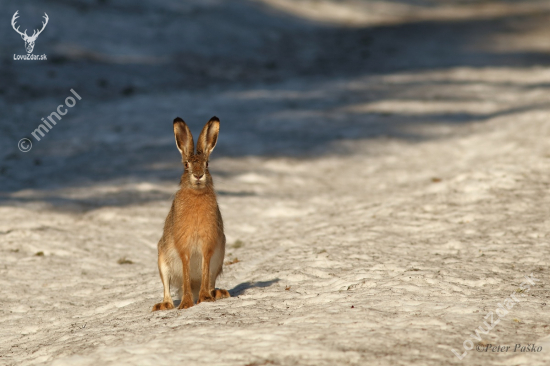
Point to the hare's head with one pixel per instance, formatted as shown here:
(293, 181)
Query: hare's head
(196, 173)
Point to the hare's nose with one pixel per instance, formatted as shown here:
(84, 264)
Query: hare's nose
(198, 176)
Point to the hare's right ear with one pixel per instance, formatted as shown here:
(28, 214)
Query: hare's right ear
(184, 139)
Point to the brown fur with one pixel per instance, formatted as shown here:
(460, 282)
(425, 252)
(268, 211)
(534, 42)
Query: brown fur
(193, 231)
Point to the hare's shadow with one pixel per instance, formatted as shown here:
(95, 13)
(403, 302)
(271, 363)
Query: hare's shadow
(242, 287)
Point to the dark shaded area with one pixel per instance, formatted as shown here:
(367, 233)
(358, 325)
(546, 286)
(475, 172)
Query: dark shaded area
(146, 47)
(121, 52)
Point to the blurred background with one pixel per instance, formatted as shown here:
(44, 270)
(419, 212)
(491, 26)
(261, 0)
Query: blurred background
(286, 77)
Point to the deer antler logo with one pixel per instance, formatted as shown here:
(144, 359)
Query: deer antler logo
(29, 41)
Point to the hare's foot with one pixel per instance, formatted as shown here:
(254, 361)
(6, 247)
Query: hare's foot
(166, 305)
(220, 294)
(204, 296)
(186, 302)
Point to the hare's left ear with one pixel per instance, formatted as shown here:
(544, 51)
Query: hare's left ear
(208, 137)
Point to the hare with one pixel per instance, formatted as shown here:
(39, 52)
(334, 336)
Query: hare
(192, 247)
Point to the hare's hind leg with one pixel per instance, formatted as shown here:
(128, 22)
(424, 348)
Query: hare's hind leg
(164, 271)
(216, 267)
(219, 293)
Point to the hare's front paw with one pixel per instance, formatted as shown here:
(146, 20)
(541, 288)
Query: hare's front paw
(204, 296)
(163, 306)
(186, 302)
(220, 294)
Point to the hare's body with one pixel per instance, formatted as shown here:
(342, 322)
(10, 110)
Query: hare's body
(192, 247)
(195, 212)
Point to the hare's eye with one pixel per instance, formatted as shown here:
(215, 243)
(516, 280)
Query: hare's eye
(186, 165)
(207, 164)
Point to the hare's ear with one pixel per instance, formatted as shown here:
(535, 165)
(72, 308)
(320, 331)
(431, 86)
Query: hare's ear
(184, 139)
(208, 137)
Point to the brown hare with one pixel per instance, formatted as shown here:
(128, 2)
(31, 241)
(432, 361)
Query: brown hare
(192, 247)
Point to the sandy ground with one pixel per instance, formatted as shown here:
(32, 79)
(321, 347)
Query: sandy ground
(383, 180)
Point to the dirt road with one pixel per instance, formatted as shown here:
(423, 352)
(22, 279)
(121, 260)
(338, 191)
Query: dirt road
(382, 171)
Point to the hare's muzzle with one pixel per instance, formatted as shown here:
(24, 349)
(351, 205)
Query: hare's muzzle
(198, 180)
